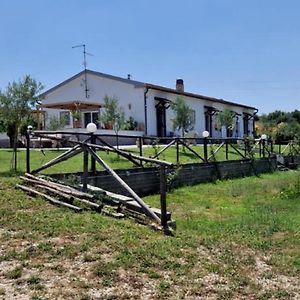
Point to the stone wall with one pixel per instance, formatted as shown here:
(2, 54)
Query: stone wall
(146, 181)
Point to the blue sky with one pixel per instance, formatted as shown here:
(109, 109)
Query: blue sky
(246, 51)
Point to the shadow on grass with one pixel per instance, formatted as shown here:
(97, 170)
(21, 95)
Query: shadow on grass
(11, 173)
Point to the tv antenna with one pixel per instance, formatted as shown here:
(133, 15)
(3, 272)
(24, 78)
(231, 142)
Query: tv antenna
(85, 70)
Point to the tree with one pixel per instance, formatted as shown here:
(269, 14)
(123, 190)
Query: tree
(16, 103)
(183, 115)
(56, 123)
(226, 118)
(279, 125)
(113, 114)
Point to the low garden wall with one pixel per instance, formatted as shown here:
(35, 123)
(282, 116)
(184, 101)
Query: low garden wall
(145, 181)
(292, 160)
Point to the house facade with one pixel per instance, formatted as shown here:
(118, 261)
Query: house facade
(80, 98)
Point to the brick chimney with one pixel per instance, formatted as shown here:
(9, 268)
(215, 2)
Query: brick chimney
(179, 85)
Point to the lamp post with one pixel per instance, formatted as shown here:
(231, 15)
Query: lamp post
(205, 135)
(28, 133)
(92, 128)
(263, 139)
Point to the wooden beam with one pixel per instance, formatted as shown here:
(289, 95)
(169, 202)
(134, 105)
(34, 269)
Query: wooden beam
(146, 208)
(70, 153)
(216, 151)
(192, 150)
(146, 159)
(164, 149)
(48, 198)
(126, 201)
(122, 153)
(127, 155)
(239, 152)
(61, 187)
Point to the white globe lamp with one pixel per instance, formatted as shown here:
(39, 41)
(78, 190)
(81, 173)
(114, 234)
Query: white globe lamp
(91, 127)
(205, 134)
(264, 137)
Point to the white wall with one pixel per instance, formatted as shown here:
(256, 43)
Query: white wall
(131, 99)
(198, 106)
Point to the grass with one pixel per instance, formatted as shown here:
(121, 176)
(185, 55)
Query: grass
(75, 164)
(235, 239)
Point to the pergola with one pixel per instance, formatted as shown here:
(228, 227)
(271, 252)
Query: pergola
(73, 106)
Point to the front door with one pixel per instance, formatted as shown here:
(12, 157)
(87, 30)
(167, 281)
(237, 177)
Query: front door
(161, 120)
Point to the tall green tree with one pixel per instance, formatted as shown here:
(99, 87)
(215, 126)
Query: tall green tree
(113, 114)
(16, 103)
(183, 115)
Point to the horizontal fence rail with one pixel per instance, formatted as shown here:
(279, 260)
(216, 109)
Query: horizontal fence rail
(203, 149)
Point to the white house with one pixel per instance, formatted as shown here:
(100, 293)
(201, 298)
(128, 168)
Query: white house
(147, 104)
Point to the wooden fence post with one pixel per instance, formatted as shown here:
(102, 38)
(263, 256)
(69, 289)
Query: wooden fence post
(27, 151)
(205, 149)
(93, 162)
(272, 148)
(279, 147)
(163, 196)
(140, 139)
(141, 145)
(177, 151)
(85, 169)
(260, 141)
(226, 147)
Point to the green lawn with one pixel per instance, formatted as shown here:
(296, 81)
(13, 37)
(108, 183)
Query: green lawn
(235, 239)
(75, 164)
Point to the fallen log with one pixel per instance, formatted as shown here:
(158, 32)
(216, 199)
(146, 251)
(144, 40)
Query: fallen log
(98, 207)
(68, 197)
(71, 198)
(48, 198)
(127, 202)
(61, 187)
(110, 213)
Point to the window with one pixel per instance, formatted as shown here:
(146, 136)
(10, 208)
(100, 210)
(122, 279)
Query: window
(193, 118)
(92, 116)
(246, 124)
(65, 115)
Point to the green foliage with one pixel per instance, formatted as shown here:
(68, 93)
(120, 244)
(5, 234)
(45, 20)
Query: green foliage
(226, 118)
(16, 104)
(112, 113)
(155, 146)
(183, 115)
(281, 126)
(76, 114)
(28, 120)
(56, 123)
(17, 101)
(130, 124)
